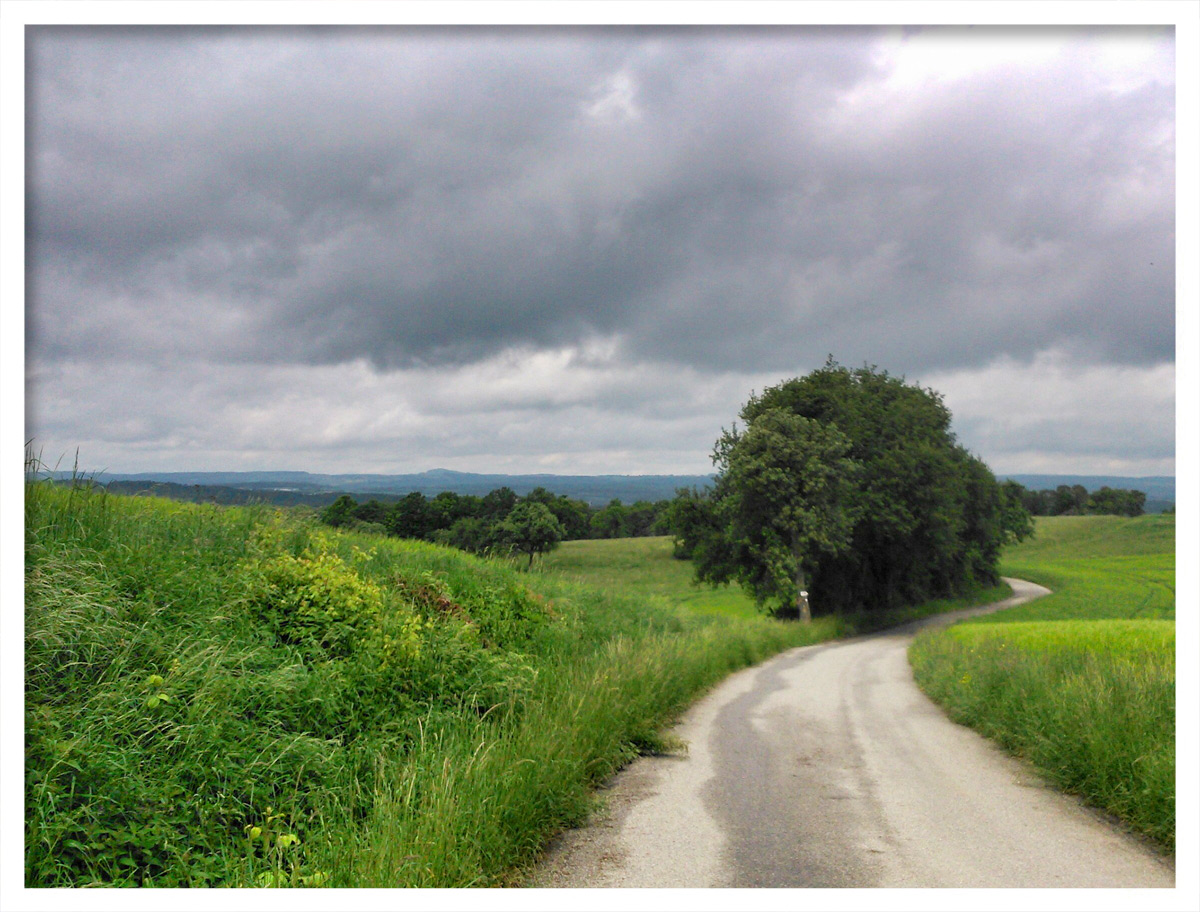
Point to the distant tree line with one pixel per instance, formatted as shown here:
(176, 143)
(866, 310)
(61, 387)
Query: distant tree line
(1075, 500)
(490, 523)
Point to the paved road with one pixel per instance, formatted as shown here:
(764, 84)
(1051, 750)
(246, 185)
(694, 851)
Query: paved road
(827, 767)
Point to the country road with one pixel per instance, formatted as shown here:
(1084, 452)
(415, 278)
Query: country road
(827, 767)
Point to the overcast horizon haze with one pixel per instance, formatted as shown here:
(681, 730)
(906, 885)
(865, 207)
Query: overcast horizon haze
(579, 250)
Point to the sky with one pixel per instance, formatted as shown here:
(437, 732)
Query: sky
(580, 250)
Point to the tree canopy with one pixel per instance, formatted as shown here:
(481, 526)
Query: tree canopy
(1075, 500)
(786, 485)
(473, 523)
(856, 475)
(530, 528)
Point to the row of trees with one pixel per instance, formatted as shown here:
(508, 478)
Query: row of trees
(845, 490)
(1075, 500)
(491, 524)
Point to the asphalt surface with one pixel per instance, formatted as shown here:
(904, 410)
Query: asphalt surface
(827, 767)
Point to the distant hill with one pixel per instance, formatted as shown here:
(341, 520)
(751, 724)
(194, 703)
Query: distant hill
(597, 490)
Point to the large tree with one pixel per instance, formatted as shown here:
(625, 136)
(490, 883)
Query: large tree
(411, 517)
(786, 486)
(928, 517)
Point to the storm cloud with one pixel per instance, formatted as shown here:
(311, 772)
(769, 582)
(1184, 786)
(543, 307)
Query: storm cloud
(595, 238)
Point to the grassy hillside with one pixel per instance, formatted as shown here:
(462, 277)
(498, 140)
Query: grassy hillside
(1081, 682)
(230, 696)
(1098, 566)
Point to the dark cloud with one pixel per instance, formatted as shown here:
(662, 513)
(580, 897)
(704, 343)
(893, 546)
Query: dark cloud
(728, 198)
(579, 250)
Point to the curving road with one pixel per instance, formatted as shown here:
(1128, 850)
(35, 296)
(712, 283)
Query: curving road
(827, 767)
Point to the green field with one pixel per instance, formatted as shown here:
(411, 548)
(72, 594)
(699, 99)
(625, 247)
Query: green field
(1082, 682)
(644, 567)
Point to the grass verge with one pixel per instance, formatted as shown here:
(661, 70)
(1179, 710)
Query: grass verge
(1080, 683)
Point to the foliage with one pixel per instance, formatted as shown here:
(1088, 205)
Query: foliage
(1074, 500)
(475, 523)
(928, 518)
(784, 502)
(531, 529)
(314, 601)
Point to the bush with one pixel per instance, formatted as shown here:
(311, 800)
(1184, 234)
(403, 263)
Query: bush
(313, 601)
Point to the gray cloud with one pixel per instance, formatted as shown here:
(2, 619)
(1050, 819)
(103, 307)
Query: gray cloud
(553, 410)
(1055, 415)
(711, 197)
(580, 249)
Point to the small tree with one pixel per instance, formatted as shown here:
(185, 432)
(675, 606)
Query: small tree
(530, 528)
(340, 512)
(783, 494)
(611, 521)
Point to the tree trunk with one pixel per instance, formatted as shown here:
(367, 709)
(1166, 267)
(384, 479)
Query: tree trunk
(802, 609)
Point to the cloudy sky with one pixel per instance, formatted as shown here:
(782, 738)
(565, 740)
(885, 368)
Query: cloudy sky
(580, 250)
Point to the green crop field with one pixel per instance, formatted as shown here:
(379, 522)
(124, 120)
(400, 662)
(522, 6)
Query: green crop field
(1081, 682)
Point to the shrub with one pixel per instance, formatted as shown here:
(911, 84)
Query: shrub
(314, 601)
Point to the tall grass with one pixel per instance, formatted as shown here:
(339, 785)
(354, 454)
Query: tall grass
(1081, 683)
(477, 805)
(229, 696)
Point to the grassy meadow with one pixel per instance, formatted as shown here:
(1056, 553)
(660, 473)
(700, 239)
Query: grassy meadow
(1081, 682)
(646, 568)
(233, 696)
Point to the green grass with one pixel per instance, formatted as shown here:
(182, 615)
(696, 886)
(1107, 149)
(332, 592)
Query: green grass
(645, 567)
(1099, 567)
(202, 681)
(1082, 682)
